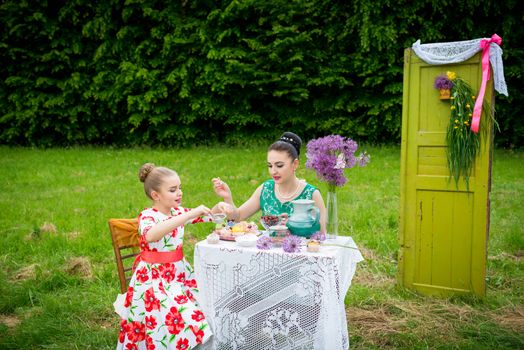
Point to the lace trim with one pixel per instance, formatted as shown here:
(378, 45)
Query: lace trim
(460, 51)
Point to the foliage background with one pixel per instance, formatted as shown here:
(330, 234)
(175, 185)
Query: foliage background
(199, 72)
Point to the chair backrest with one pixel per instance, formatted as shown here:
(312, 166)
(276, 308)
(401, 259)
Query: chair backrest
(126, 244)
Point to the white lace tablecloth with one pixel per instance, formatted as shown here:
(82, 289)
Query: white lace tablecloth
(269, 299)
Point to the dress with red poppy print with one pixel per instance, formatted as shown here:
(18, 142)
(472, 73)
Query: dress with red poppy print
(162, 312)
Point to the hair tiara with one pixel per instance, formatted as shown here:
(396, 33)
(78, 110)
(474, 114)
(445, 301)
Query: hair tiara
(291, 141)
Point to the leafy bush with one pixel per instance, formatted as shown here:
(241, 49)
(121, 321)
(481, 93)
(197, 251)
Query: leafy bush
(159, 72)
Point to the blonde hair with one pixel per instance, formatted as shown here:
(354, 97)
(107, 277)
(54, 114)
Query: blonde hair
(153, 176)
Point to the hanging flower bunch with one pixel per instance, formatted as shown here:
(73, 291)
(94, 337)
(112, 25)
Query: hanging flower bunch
(330, 155)
(463, 144)
(442, 82)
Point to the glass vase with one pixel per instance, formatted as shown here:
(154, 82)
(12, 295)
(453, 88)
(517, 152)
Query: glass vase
(332, 213)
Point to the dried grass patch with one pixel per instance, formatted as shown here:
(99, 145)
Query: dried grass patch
(79, 266)
(73, 235)
(33, 311)
(25, 273)
(426, 319)
(107, 324)
(374, 324)
(10, 321)
(37, 232)
(509, 317)
(48, 227)
(519, 255)
(30, 236)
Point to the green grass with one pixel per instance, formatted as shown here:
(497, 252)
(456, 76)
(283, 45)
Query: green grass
(43, 306)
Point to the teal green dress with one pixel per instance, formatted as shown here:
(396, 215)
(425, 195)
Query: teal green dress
(270, 204)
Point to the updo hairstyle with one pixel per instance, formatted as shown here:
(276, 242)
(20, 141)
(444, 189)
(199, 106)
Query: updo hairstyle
(153, 176)
(290, 143)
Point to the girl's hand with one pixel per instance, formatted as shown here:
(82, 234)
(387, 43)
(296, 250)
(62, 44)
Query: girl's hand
(222, 189)
(200, 211)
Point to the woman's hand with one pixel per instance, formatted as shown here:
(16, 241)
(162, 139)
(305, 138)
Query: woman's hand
(230, 210)
(222, 190)
(220, 208)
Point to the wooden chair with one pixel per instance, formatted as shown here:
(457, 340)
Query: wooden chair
(124, 234)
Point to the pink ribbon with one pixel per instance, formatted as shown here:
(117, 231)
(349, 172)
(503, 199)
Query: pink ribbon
(477, 110)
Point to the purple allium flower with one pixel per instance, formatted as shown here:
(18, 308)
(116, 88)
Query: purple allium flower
(329, 156)
(291, 244)
(264, 243)
(318, 236)
(363, 158)
(443, 82)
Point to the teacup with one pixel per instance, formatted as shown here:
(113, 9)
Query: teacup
(278, 233)
(218, 218)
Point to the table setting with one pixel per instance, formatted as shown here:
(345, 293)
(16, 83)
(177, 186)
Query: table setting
(283, 287)
(268, 290)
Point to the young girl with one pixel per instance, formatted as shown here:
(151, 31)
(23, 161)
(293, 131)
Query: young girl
(160, 310)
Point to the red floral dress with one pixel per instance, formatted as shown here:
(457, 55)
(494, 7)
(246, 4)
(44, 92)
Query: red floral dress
(160, 310)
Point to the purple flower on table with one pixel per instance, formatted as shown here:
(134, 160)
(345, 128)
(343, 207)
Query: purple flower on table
(291, 244)
(318, 236)
(330, 155)
(264, 243)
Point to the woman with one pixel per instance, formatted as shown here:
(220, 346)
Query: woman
(274, 196)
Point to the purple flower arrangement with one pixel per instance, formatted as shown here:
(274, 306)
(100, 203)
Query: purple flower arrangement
(318, 236)
(330, 155)
(291, 244)
(443, 82)
(264, 243)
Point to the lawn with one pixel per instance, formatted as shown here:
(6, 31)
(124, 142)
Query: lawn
(58, 277)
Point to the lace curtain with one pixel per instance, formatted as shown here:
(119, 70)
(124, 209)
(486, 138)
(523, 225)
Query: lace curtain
(460, 51)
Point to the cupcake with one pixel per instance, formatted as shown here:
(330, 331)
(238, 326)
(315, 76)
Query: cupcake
(313, 246)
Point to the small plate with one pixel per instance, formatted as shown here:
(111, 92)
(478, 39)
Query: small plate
(227, 237)
(232, 237)
(248, 240)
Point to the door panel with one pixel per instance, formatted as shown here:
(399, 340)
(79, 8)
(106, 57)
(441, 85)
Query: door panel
(443, 227)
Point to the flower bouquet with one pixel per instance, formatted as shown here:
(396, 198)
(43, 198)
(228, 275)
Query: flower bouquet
(444, 84)
(329, 156)
(463, 145)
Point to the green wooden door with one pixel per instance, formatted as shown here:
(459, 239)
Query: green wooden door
(443, 229)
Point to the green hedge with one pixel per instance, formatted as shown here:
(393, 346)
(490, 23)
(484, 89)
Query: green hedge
(186, 72)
